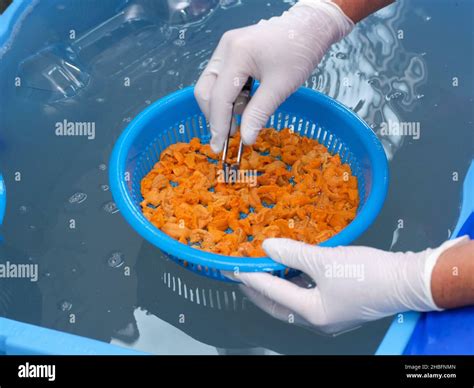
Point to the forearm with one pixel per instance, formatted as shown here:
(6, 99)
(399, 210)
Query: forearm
(357, 10)
(452, 281)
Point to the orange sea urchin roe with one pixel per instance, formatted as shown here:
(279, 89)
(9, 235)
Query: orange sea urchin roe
(301, 191)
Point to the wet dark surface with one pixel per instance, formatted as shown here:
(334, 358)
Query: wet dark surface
(97, 278)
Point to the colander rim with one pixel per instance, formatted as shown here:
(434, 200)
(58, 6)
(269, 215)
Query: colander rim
(152, 234)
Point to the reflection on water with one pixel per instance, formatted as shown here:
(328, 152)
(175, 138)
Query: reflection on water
(370, 70)
(124, 56)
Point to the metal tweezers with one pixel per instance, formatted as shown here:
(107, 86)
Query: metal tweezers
(238, 108)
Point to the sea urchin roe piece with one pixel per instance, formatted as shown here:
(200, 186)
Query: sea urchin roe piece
(301, 192)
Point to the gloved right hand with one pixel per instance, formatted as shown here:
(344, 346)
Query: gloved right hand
(280, 52)
(353, 284)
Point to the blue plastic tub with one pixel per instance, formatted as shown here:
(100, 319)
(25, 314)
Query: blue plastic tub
(438, 333)
(177, 118)
(420, 332)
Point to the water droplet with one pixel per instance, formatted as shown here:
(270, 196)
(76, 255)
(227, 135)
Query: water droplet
(65, 305)
(78, 197)
(102, 167)
(340, 55)
(394, 96)
(23, 209)
(104, 187)
(147, 61)
(32, 227)
(100, 99)
(226, 4)
(110, 207)
(419, 96)
(427, 18)
(116, 260)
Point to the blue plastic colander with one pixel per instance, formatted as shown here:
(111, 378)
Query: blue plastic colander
(177, 118)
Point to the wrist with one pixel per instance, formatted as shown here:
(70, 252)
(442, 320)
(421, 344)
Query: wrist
(411, 273)
(328, 12)
(357, 10)
(432, 261)
(416, 292)
(451, 280)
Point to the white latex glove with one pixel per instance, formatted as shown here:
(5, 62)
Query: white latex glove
(353, 284)
(280, 52)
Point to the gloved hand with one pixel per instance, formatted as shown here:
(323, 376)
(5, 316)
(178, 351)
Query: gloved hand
(353, 284)
(280, 52)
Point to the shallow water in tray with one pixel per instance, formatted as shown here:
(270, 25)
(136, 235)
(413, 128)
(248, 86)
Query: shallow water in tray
(72, 79)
